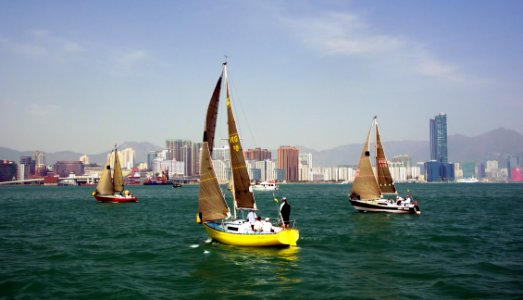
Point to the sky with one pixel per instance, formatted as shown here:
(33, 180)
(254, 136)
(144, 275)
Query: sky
(84, 75)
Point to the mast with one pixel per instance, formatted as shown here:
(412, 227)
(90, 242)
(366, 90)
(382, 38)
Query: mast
(242, 195)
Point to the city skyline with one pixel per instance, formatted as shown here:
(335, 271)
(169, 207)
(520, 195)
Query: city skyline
(302, 72)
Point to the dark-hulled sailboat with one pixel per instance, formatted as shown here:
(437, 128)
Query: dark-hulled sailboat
(372, 193)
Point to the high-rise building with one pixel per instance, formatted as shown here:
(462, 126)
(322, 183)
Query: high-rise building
(288, 161)
(8, 170)
(186, 151)
(257, 154)
(30, 166)
(64, 168)
(438, 138)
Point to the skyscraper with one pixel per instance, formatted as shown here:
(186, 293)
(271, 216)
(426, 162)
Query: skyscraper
(288, 161)
(438, 138)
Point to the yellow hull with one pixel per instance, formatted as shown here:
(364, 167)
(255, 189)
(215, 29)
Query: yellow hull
(287, 237)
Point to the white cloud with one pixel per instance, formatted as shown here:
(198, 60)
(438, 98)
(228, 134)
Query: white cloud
(131, 57)
(38, 110)
(349, 35)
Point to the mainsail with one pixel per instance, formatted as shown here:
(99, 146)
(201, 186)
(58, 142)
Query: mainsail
(117, 174)
(365, 185)
(211, 202)
(243, 196)
(384, 177)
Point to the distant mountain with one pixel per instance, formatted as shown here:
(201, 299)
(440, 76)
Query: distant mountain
(51, 157)
(497, 144)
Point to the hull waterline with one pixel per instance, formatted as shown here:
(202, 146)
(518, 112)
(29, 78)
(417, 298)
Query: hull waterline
(374, 206)
(115, 198)
(284, 238)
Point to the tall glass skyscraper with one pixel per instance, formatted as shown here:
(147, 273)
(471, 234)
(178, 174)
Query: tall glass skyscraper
(438, 138)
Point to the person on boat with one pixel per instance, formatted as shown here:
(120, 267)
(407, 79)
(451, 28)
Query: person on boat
(408, 200)
(251, 217)
(399, 200)
(267, 225)
(285, 212)
(258, 226)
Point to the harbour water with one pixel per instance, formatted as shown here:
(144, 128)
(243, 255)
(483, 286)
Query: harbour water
(58, 242)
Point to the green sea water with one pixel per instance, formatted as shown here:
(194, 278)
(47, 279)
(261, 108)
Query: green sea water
(59, 243)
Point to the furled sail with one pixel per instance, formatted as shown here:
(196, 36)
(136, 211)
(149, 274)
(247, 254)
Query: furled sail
(365, 186)
(384, 177)
(243, 196)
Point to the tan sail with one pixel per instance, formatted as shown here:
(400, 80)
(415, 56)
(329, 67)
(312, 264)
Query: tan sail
(384, 177)
(212, 114)
(243, 196)
(365, 186)
(105, 185)
(117, 174)
(211, 203)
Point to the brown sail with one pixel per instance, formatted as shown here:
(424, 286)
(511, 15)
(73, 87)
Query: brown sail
(117, 174)
(211, 203)
(365, 186)
(384, 177)
(105, 185)
(243, 196)
(212, 115)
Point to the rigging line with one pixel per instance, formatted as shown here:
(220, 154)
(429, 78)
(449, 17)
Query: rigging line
(237, 102)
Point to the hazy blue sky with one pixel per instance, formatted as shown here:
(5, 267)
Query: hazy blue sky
(83, 75)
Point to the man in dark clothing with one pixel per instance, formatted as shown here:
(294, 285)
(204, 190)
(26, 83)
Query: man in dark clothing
(285, 211)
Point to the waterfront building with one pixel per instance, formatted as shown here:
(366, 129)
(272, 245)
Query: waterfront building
(221, 170)
(288, 161)
(127, 157)
(39, 158)
(8, 169)
(186, 151)
(64, 168)
(438, 138)
(305, 167)
(267, 170)
(29, 167)
(153, 155)
(257, 154)
(436, 171)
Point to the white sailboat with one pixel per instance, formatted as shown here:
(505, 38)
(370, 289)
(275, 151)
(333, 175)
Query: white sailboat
(368, 189)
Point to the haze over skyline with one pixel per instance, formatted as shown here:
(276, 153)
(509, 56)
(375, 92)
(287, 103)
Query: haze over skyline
(83, 76)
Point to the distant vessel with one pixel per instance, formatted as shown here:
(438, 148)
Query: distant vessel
(158, 180)
(368, 189)
(213, 211)
(468, 180)
(265, 186)
(110, 187)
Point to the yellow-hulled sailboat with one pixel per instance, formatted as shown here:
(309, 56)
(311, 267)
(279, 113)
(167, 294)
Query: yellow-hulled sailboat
(369, 191)
(213, 211)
